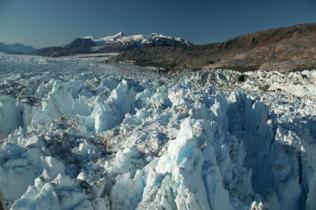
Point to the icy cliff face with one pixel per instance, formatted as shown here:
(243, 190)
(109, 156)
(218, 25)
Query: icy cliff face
(204, 140)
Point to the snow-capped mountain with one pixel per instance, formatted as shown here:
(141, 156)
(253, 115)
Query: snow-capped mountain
(286, 49)
(139, 40)
(115, 43)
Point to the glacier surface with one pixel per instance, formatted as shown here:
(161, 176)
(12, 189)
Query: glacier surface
(77, 134)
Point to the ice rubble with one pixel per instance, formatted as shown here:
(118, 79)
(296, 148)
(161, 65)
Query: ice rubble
(203, 140)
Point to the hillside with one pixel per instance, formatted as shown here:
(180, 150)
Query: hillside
(284, 49)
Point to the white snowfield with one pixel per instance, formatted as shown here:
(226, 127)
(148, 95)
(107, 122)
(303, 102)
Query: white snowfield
(76, 134)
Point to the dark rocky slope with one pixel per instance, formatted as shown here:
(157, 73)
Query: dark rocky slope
(286, 49)
(75, 47)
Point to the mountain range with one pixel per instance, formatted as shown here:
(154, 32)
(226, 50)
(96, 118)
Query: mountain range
(16, 48)
(283, 49)
(116, 43)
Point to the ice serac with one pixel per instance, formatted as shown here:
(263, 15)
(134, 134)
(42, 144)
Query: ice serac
(9, 115)
(189, 171)
(108, 114)
(100, 139)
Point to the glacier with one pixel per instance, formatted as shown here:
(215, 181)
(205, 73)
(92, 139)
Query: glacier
(76, 133)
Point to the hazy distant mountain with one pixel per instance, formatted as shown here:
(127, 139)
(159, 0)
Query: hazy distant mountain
(5, 48)
(16, 48)
(116, 43)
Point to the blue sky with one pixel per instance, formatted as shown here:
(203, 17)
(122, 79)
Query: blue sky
(53, 22)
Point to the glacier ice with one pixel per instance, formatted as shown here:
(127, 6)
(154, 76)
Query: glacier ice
(75, 134)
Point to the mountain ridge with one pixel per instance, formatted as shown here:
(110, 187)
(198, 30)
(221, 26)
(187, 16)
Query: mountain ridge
(284, 49)
(16, 48)
(116, 43)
